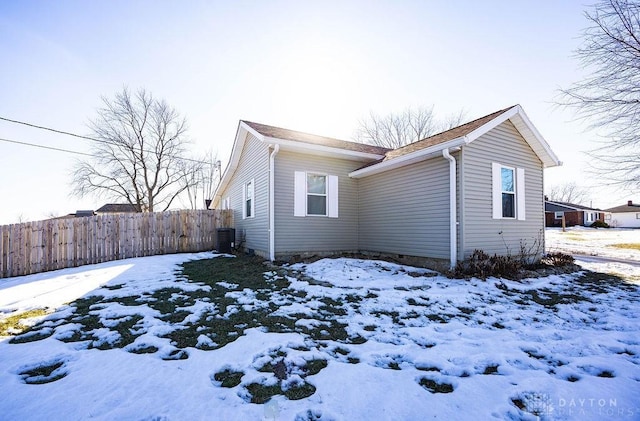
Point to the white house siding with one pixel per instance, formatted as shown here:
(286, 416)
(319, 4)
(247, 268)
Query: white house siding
(314, 234)
(253, 164)
(503, 145)
(406, 210)
(625, 219)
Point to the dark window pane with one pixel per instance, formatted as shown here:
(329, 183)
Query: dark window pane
(248, 213)
(316, 205)
(508, 205)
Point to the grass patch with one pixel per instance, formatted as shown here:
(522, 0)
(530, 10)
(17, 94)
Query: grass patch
(45, 373)
(228, 378)
(435, 387)
(261, 393)
(630, 246)
(14, 324)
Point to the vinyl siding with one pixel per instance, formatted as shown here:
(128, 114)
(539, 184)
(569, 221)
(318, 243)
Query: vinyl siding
(406, 210)
(503, 145)
(294, 234)
(254, 163)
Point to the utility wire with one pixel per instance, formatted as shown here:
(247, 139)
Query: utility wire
(35, 126)
(43, 147)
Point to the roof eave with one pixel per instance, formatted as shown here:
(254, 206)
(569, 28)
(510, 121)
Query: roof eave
(321, 149)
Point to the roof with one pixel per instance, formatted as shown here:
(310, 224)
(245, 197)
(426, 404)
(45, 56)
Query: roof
(286, 134)
(118, 208)
(462, 135)
(553, 206)
(633, 207)
(445, 136)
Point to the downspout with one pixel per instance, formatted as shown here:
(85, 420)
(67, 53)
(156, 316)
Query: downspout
(453, 226)
(272, 201)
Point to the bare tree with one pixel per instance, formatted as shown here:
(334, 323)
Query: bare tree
(609, 98)
(568, 193)
(203, 176)
(139, 154)
(396, 130)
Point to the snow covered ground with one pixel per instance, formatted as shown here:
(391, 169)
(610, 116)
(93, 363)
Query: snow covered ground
(337, 339)
(602, 243)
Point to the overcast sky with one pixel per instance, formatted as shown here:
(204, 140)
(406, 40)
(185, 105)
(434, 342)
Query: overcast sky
(317, 67)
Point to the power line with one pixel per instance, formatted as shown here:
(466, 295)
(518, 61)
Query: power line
(35, 126)
(43, 146)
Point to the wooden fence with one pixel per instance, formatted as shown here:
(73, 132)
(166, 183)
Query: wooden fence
(41, 246)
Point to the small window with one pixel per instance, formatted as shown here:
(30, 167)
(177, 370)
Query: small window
(316, 194)
(248, 209)
(559, 215)
(507, 178)
(607, 216)
(637, 215)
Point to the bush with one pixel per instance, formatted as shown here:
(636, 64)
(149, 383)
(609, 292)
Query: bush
(481, 265)
(557, 259)
(600, 224)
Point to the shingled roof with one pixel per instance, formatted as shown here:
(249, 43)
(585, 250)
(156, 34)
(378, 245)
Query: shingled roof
(629, 207)
(118, 208)
(286, 134)
(445, 136)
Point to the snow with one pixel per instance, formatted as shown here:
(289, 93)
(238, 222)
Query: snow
(494, 344)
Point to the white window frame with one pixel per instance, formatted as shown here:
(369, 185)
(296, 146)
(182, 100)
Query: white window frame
(518, 187)
(325, 194)
(558, 214)
(246, 196)
(301, 195)
(637, 215)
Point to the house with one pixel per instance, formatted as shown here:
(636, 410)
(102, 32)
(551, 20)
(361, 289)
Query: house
(118, 208)
(476, 186)
(625, 216)
(573, 214)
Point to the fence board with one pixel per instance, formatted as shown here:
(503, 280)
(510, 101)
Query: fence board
(40, 246)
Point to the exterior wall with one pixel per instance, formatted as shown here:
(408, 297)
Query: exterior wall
(254, 163)
(406, 210)
(314, 234)
(503, 144)
(625, 219)
(571, 218)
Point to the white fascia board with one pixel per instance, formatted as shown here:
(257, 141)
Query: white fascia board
(528, 131)
(238, 145)
(407, 159)
(321, 149)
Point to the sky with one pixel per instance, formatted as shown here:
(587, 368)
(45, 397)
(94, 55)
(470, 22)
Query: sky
(318, 67)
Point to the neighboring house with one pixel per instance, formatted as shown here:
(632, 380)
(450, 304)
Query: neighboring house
(625, 216)
(573, 214)
(118, 208)
(476, 186)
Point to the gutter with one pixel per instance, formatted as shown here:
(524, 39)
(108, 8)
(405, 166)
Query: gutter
(272, 200)
(453, 249)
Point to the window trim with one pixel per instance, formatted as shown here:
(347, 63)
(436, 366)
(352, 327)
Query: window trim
(514, 193)
(245, 199)
(519, 193)
(300, 194)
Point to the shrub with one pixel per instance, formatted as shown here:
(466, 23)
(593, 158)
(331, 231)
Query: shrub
(481, 265)
(600, 224)
(557, 259)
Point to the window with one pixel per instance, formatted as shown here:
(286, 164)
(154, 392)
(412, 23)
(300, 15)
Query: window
(248, 208)
(559, 215)
(315, 194)
(637, 215)
(508, 190)
(507, 181)
(607, 217)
